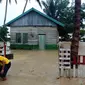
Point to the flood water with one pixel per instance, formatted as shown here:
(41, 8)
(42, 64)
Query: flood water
(37, 68)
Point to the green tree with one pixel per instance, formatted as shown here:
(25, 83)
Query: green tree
(61, 11)
(54, 8)
(70, 16)
(82, 35)
(82, 14)
(4, 30)
(3, 34)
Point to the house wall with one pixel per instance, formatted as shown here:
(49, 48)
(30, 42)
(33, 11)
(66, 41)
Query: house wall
(51, 34)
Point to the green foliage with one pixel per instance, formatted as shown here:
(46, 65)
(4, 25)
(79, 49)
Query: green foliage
(83, 15)
(3, 34)
(53, 8)
(61, 11)
(82, 33)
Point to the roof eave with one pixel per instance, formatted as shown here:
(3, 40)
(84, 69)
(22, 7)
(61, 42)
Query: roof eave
(33, 9)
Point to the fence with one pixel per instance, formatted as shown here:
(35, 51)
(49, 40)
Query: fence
(6, 51)
(75, 72)
(64, 62)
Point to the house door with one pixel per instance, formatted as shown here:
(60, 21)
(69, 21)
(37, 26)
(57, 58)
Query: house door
(41, 41)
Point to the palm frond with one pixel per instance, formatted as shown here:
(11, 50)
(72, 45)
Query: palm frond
(10, 1)
(45, 4)
(25, 6)
(0, 1)
(39, 3)
(16, 1)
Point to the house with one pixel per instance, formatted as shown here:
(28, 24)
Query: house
(34, 29)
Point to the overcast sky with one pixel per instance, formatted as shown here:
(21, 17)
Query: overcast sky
(15, 10)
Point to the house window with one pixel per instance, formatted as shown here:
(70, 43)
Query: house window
(18, 37)
(25, 37)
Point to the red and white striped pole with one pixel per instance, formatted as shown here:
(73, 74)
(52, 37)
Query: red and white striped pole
(4, 46)
(4, 49)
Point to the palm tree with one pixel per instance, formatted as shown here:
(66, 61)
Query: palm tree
(27, 2)
(6, 6)
(59, 10)
(9, 1)
(76, 33)
(50, 9)
(54, 8)
(4, 28)
(25, 6)
(39, 3)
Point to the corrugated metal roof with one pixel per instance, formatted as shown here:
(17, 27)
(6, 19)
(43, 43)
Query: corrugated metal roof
(42, 14)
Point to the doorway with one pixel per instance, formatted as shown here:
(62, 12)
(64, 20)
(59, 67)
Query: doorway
(41, 41)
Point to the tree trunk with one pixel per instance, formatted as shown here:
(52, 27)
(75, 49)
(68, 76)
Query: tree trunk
(75, 39)
(5, 12)
(25, 6)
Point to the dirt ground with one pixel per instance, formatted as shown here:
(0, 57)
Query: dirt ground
(37, 68)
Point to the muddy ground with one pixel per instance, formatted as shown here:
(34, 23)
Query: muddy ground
(37, 68)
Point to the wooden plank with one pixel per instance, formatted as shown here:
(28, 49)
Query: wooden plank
(33, 19)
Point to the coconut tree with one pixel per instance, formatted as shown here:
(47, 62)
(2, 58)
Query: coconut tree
(4, 29)
(59, 10)
(76, 33)
(9, 1)
(25, 6)
(26, 1)
(55, 8)
(6, 6)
